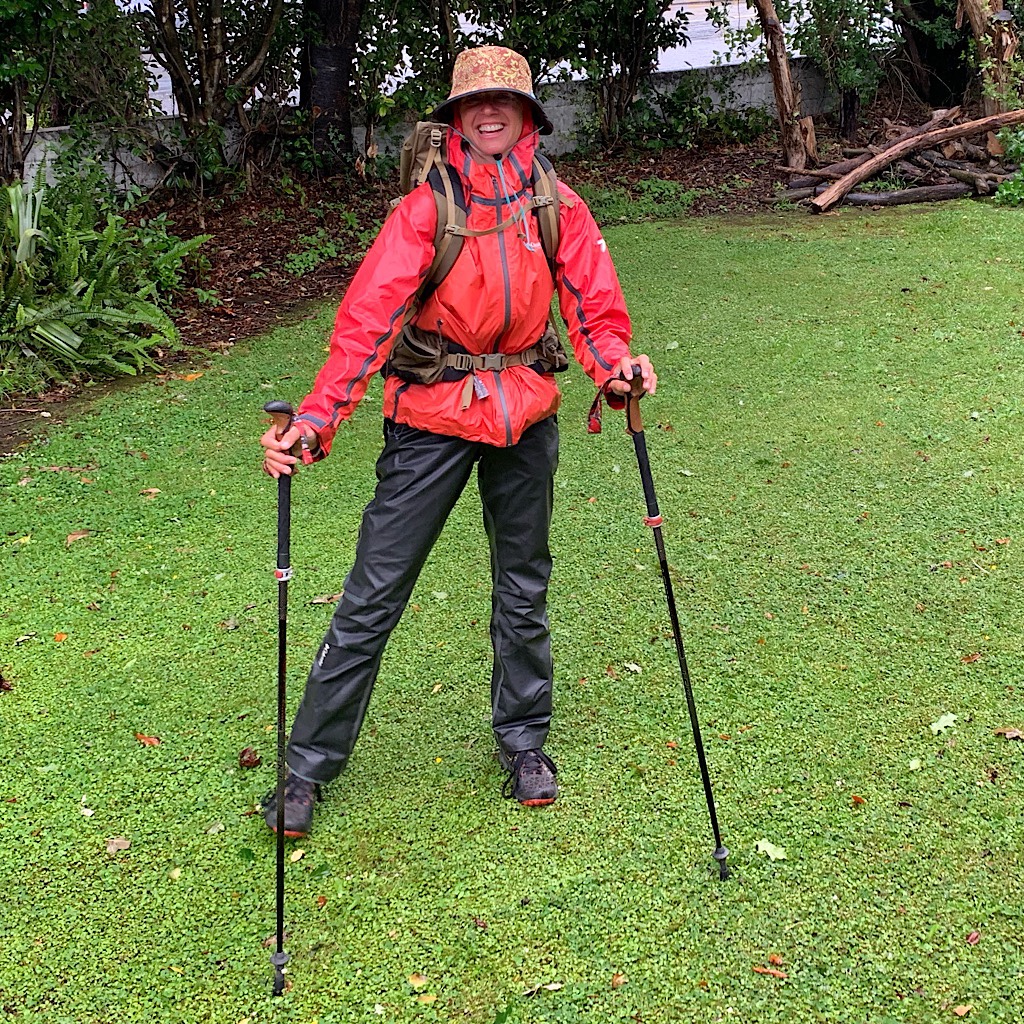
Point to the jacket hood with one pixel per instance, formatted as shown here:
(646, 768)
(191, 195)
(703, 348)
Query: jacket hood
(516, 164)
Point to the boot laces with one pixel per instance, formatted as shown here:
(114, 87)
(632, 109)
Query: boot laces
(523, 763)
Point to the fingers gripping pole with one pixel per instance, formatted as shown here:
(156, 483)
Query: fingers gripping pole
(282, 414)
(635, 428)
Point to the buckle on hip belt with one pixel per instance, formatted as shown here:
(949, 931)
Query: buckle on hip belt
(490, 361)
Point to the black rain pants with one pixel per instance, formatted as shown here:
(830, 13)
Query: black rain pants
(420, 476)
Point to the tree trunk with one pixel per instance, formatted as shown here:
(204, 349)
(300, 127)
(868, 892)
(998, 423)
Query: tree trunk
(331, 59)
(996, 45)
(849, 114)
(835, 193)
(787, 94)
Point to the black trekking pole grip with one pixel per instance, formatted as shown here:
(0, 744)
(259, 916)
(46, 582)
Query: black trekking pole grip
(634, 426)
(282, 414)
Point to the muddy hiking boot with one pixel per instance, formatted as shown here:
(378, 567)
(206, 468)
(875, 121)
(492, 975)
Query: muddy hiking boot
(531, 778)
(300, 798)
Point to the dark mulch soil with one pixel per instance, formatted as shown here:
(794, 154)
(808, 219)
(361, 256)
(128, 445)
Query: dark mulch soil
(246, 289)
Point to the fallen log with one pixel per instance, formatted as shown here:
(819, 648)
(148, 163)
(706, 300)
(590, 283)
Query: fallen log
(923, 194)
(824, 173)
(834, 193)
(859, 157)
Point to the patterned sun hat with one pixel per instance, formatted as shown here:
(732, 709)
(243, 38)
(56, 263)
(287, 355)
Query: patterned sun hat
(492, 69)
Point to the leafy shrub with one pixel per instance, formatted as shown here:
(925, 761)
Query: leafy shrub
(81, 290)
(1011, 193)
(654, 199)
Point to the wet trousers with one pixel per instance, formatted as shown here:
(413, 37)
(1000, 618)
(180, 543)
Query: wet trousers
(420, 476)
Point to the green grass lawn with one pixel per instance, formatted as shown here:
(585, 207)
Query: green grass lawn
(836, 442)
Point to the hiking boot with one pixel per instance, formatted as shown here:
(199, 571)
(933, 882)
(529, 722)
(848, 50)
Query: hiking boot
(300, 797)
(531, 778)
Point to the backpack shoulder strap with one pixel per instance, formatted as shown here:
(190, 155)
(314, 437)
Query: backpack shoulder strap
(452, 210)
(547, 206)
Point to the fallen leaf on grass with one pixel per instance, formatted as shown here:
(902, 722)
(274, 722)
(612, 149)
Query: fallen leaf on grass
(86, 812)
(248, 758)
(551, 986)
(770, 971)
(1010, 733)
(76, 535)
(148, 741)
(962, 1011)
(271, 940)
(770, 849)
(327, 598)
(942, 723)
(5, 685)
(192, 376)
(775, 959)
(632, 666)
(23, 638)
(215, 828)
(857, 801)
(973, 938)
(229, 624)
(321, 902)
(426, 997)
(417, 980)
(150, 492)
(174, 874)
(915, 764)
(618, 980)
(117, 844)
(296, 855)
(970, 659)
(59, 638)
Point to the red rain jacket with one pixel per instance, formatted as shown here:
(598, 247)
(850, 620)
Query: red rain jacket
(496, 298)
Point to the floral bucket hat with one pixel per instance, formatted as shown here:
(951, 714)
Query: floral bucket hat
(492, 69)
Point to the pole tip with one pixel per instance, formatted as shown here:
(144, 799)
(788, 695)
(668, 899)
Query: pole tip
(720, 854)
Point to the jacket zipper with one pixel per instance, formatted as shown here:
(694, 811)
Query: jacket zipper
(507, 319)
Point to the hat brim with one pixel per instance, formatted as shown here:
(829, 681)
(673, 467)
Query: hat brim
(446, 111)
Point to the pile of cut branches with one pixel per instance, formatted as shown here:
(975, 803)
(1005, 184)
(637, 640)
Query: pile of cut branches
(945, 158)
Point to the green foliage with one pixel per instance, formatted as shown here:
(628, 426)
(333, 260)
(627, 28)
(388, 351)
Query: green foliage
(1011, 193)
(689, 116)
(81, 291)
(345, 242)
(838, 464)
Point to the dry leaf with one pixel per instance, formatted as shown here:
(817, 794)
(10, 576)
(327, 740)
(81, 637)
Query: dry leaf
(326, 599)
(321, 902)
(417, 980)
(618, 980)
(59, 638)
(248, 758)
(775, 959)
(148, 741)
(973, 938)
(296, 855)
(857, 800)
(192, 376)
(86, 812)
(426, 997)
(962, 1011)
(117, 844)
(77, 535)
(1010, 733)
(970, 659)
(150, 492)
(770, 971)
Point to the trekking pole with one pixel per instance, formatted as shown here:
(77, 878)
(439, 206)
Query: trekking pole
(282, 414)
(635, 428)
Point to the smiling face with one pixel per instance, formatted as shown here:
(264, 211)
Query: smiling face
(492, 122)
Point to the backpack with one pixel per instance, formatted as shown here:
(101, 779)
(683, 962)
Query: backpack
(423, 158)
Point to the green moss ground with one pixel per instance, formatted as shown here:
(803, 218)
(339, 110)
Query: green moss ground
(836, 442)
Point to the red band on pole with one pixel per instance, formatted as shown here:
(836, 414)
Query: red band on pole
(652, 520)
